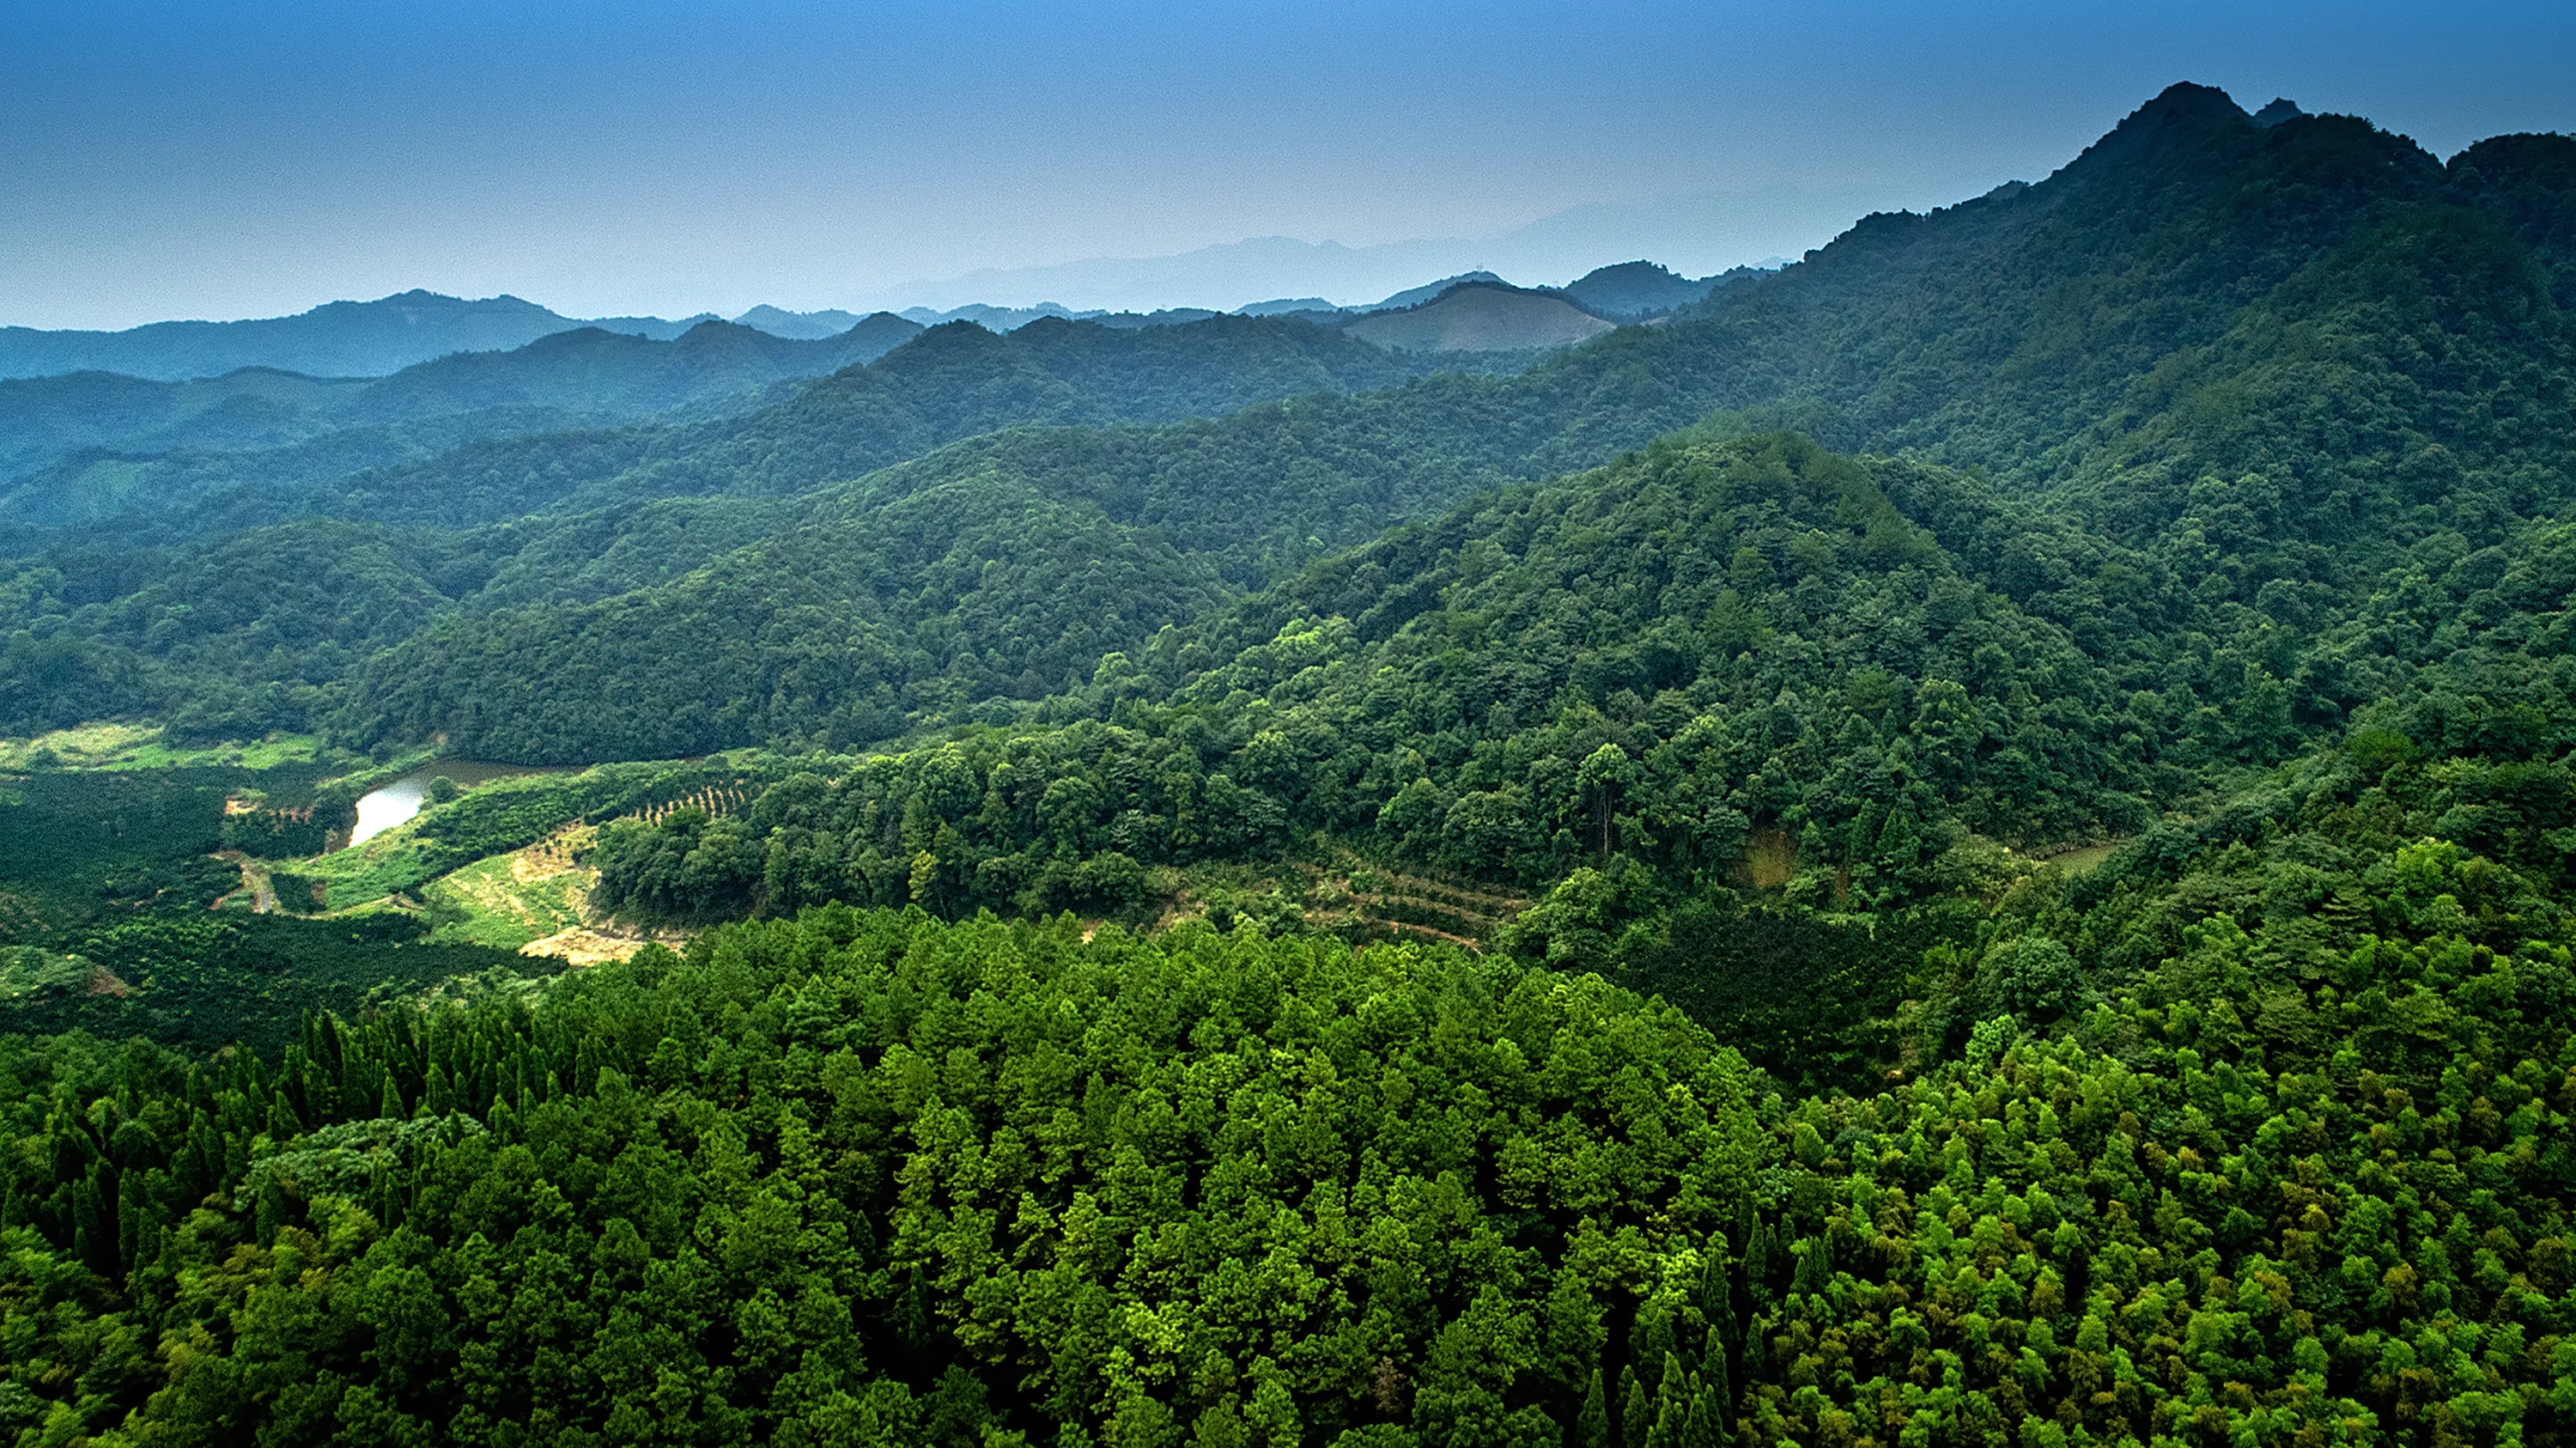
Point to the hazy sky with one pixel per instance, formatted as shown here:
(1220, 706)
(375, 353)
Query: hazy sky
(241, 159)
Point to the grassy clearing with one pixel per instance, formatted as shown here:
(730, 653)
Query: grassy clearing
(392, 863)
(1771, 858)
(500, 815)
(142, 746)
(2077, 862)
(534, 901)
(509, 900)
(1338, 893)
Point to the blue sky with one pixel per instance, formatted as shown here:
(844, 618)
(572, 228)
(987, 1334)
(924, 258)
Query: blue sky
(227, 160)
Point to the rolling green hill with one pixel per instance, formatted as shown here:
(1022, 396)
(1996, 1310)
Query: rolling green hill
(2261, 359)
(1475, 317)
(1646, 661)
(91, 445)
(2187, 474)
(338, 339)
(594, 540)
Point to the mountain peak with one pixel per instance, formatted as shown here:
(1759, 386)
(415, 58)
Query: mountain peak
(1629, 271)
(420, 297)
(1428, 291)
(2185, 100)
(1635, 289)
(2184, 117)
(1480, 316)
(2181, 110)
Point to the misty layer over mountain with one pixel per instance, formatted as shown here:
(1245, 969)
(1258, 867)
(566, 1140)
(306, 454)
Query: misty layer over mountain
(1701, 231)
(371, 339)
(92, 444)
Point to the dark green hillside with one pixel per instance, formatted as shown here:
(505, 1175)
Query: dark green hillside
(2470, 650)
(1228, 503)
(203, 982)
(584, 557)
(78, 851)
(2525, 182)
(124, 498)
(2421, 363)
(1987, 328)
(91, 445)
(1645, 663)
(2135, 349)
(2260, 1144)
(836, 633)
(230, 641)
(954, 381)
(110, 660)
(44, 420)
(2261, 354)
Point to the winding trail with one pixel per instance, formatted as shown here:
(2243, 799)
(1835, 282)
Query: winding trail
(263, 893)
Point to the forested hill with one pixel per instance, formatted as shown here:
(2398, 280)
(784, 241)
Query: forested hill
(2044, 331)
(964, 567)
(952, 381)
(2315, 312)
(2244, 366)
(254, 630)
(71, 447)
(1647, 662)
(337, 339)
(2149, 363)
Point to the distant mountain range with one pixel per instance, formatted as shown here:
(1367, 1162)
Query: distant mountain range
(292, 403)
(340, 339)
(380, 338)
(1706, 231)
(585, 377)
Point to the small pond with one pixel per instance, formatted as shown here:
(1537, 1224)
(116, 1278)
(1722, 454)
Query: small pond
(391, 804)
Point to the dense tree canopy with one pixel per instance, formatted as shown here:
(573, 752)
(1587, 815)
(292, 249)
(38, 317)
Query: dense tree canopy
(1648, 662)
(863, 1178)
(2233, 1142)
